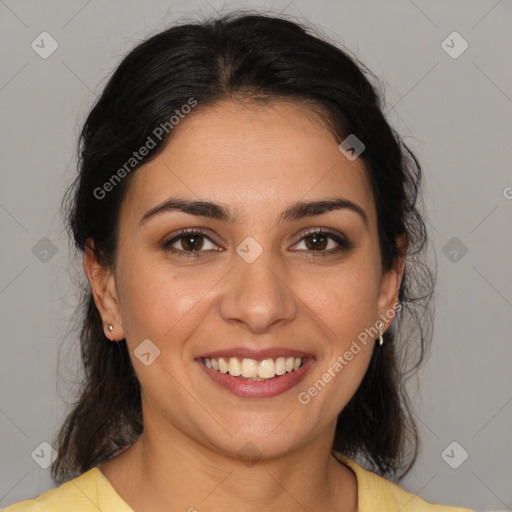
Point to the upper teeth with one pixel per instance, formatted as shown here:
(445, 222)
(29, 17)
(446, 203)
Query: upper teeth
(250, 368)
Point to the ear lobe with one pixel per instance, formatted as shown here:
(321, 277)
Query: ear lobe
(103, 287)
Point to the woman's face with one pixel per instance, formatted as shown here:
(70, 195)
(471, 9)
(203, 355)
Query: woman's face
(256, 287)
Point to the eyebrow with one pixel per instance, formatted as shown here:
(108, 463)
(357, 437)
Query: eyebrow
(217, 211)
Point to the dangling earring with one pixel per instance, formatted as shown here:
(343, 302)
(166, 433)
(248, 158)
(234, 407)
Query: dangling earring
(380, 325)
(111, 329)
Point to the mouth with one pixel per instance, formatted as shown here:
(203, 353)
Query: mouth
(256, 378)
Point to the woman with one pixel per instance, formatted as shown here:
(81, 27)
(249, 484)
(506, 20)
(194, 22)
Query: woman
(250, 230)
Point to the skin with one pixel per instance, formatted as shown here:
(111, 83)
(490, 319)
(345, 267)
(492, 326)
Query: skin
(255, 159)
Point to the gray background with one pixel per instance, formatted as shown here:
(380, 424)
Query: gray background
(454, 112)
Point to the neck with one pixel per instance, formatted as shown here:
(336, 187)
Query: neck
(168, 470)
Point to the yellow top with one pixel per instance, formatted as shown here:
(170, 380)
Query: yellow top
(92, 492)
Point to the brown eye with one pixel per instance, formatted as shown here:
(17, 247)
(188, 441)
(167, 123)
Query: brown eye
(316, 242)
(189, 243)
(320, 240)
(192, 242)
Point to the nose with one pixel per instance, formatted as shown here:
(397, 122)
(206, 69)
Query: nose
(256, 294)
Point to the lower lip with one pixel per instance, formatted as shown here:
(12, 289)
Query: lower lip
(258, 389)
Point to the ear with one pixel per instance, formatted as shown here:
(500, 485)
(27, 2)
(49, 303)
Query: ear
(390, 285)
(102, 281)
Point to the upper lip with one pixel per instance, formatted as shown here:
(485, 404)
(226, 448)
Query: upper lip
(257, 354)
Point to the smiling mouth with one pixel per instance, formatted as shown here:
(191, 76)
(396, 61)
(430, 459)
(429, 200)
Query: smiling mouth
(252, 369)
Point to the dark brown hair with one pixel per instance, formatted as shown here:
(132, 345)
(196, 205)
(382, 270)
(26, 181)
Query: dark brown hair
(263, 58)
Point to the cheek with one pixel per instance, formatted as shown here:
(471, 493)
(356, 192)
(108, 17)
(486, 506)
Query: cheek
(345, 299)
(157, 302)
(345, 305)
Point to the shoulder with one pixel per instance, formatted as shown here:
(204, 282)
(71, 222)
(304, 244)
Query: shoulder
(91, 491)
(376, 493)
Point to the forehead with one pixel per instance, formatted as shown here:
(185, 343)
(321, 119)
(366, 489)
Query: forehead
(250, 156)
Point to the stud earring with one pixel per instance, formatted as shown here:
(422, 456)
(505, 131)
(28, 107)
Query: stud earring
(380, 325)
(111, 329)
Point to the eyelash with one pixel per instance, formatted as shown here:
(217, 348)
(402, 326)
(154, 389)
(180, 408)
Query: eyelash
(343, 243)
